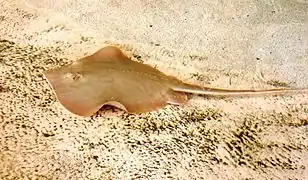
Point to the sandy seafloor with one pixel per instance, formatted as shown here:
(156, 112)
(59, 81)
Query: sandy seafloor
(226, 44)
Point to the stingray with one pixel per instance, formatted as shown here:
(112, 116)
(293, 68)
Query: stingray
(109, 77)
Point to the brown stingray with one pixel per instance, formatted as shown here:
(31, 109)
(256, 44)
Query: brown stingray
(109, 77)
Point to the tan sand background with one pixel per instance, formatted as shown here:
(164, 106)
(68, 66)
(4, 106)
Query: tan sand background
(229, 44)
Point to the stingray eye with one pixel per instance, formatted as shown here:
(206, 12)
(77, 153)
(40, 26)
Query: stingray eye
(73, 76)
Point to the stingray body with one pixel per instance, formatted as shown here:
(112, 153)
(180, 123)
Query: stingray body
(109, 77)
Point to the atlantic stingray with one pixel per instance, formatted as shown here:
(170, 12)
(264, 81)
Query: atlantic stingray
(109, 77)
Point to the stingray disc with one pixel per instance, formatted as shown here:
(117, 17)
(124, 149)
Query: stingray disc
(110, 77)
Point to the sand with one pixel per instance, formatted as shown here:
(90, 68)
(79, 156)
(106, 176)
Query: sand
(226, 44)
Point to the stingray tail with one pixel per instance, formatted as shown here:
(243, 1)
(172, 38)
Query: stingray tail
(195, 89)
